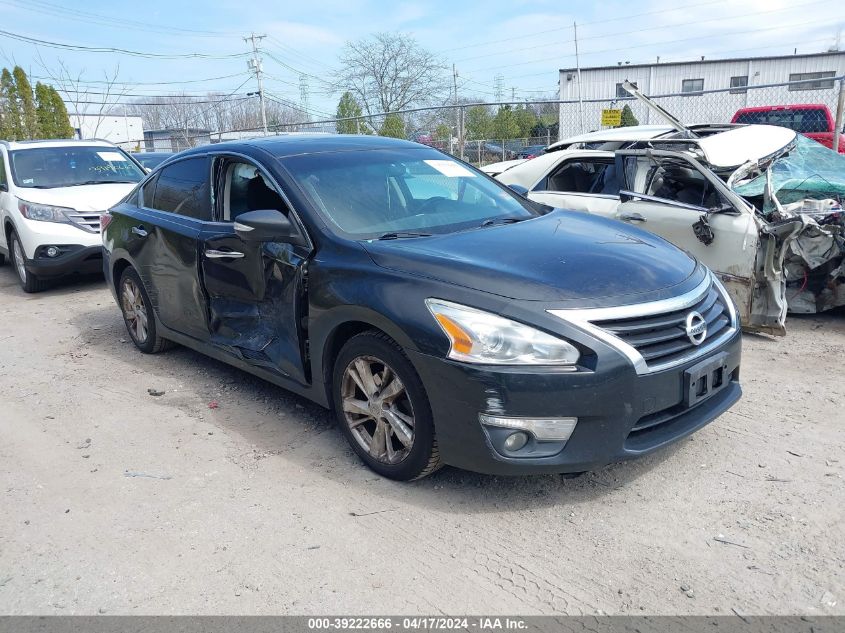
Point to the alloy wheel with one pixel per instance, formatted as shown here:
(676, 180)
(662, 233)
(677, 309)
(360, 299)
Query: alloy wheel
(20, 262)
(377, 409)
(134, 310)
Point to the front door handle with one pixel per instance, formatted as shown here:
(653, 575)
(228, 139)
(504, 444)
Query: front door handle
(632, 217)
(212, 254)
(139, 231)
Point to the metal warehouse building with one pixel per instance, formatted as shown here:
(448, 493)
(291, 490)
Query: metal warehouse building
(701, 91)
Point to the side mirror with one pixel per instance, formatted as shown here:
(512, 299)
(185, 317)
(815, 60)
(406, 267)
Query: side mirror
(4, 187)
(523, 191)
(267, 226)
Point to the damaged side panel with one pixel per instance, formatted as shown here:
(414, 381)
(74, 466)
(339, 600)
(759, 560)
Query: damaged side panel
(257, 305)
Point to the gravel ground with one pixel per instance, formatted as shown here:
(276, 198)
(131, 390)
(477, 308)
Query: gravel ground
(116, 501)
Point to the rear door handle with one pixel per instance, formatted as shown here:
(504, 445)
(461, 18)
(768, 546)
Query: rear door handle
(139, 231)
(212, 254)
(632, 217)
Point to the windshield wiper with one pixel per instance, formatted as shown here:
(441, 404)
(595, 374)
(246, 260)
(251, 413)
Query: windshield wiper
(495, 221)
(397, 235)
(100, 182)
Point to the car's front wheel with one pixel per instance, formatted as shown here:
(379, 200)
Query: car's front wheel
(138, 314)
(28, 281)
(382, 408)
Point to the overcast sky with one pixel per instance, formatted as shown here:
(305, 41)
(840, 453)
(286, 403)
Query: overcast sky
(522, 41)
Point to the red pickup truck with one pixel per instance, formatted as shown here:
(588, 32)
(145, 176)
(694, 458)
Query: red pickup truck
(813, 120)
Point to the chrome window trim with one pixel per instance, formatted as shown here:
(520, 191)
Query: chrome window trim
(584, 318)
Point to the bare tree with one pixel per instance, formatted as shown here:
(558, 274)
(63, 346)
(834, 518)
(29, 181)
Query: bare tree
(183, 115)
(97, 102)
(390, 71)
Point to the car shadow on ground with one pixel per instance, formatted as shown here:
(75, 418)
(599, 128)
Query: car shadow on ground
(58, 287)
(281, 425)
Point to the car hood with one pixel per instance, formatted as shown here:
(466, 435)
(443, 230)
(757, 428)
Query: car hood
(562, 256)
(81, 198)
(730, 149)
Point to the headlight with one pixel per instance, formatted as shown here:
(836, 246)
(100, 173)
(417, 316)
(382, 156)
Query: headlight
(480, 337)
(43, 212)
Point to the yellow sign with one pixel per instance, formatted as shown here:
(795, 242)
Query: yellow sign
(611, 118)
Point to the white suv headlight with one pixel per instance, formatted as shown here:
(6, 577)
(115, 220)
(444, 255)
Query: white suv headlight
(484, 338)
(43, 212)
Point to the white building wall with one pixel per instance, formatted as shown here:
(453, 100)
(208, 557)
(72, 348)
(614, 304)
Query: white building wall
(125, 131)
(667, 79)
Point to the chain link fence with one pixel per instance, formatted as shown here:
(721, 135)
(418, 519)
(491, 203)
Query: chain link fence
(573, 118)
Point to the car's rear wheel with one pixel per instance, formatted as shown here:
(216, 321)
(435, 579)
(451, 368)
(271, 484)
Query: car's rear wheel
(138, 314)
(382, 408)
(28, 281)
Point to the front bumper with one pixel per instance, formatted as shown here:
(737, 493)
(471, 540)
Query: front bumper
(74, 258)
(608, 405)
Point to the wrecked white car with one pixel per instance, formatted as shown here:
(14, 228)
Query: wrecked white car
(736, 197)
(808, 183)
(670, 188)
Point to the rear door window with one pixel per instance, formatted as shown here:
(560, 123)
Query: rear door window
(583, 176)
(183, 188)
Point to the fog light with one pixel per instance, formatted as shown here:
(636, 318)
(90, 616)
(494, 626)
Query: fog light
(515, 441)
(52, 251)
(543, 429)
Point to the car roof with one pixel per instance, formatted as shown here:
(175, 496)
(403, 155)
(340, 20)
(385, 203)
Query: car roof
(631, 133)
(296, 144)
(15, 145)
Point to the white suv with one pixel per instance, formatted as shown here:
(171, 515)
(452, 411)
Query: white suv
(52, 194)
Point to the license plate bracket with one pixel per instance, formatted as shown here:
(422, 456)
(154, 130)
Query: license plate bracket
(705, 379)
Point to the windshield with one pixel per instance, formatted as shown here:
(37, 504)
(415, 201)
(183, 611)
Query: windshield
(809, 170)
(51, 167)
(367, 194)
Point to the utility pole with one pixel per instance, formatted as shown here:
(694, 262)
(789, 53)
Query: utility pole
(499, 88)
(304, 96)
(459, 112)
(254, 64)
(578, 70)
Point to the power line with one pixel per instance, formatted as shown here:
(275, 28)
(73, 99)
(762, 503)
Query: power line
(647, 44)
(566, 28)
(143, 83)
(47, 8)
(639, 30)
(108, 49)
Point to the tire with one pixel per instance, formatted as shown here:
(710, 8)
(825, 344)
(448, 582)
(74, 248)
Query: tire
(28, 281)
(138, 314)
(2, 259)
(374, 359)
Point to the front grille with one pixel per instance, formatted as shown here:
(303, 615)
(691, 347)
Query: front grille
(661, 339)
(87, 221)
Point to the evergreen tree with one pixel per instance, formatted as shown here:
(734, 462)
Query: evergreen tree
(526, 120)
(61, 121)
(11, 118)
(478, 122)
(349, 107)
(44, 111)
(628, 118)
(505, 125)
(442, 132)
(29, 116)
(393, 126)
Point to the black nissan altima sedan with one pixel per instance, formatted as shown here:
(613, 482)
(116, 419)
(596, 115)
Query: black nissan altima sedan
(445, 318)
